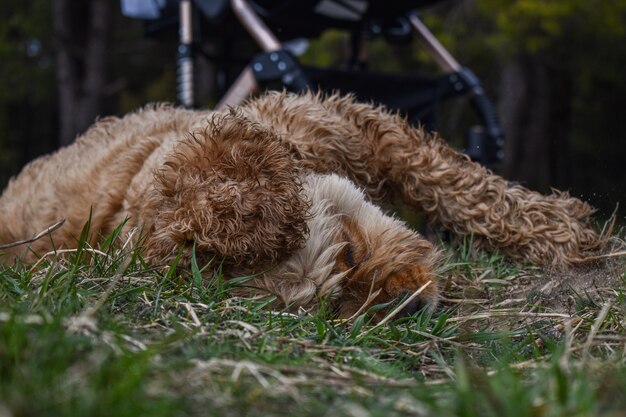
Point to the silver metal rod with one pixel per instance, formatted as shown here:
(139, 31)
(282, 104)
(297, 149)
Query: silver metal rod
(186, 34)
(432, 45)
(241, 89)
(255, 26)
(246, 84)
(185, 58)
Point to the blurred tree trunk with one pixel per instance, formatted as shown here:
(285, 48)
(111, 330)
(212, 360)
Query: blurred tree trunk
(81, 30)
(536, 119)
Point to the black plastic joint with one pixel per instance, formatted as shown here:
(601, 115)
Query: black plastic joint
(465, 80)
(278, 66)
(185, 50)
(272, 65)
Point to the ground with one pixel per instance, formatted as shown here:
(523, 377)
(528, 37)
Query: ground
(98, 332)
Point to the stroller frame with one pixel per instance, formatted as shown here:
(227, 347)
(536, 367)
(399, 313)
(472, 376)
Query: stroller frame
(483, 143)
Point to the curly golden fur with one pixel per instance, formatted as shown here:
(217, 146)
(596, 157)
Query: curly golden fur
(281, 188)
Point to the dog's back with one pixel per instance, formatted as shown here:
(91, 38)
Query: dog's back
(95, 174)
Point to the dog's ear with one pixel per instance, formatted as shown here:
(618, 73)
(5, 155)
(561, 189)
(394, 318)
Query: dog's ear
(232, 190)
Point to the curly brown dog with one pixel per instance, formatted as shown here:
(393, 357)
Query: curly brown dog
(281, 188)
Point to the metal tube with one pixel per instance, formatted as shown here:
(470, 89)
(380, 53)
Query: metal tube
(185, 55)
(246, 84)
(255, 26)
(432, 45)
(241, 89)
(186, 34)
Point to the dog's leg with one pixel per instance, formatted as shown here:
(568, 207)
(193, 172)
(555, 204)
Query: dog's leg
(381, 152)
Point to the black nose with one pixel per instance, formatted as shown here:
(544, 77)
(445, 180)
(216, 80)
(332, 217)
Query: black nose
(412, 307)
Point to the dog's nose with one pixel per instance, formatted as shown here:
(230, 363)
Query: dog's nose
(412, 307)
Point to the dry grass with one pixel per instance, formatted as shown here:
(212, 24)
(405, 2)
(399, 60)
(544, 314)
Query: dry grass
(97, 332)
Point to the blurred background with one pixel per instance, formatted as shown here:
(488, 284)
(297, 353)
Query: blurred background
(555, 70)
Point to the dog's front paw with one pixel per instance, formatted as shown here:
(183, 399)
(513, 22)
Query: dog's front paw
(377, 279)
(406, 283)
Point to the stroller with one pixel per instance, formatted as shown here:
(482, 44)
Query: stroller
(278, 27)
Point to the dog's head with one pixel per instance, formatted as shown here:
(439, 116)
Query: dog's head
(354, 253)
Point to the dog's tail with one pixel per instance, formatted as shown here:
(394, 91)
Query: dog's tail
(382, 153)
(231, 190)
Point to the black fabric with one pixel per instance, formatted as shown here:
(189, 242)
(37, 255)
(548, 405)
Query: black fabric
(289, 19)
(215, 11)
(302, 10)
(297, 18)
(417, 96)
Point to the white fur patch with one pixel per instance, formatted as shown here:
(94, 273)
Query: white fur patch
(310, 272)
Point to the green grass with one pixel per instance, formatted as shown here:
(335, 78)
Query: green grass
(101, 333)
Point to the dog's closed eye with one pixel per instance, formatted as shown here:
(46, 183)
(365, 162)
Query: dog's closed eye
(348, 256)
(356, 248)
